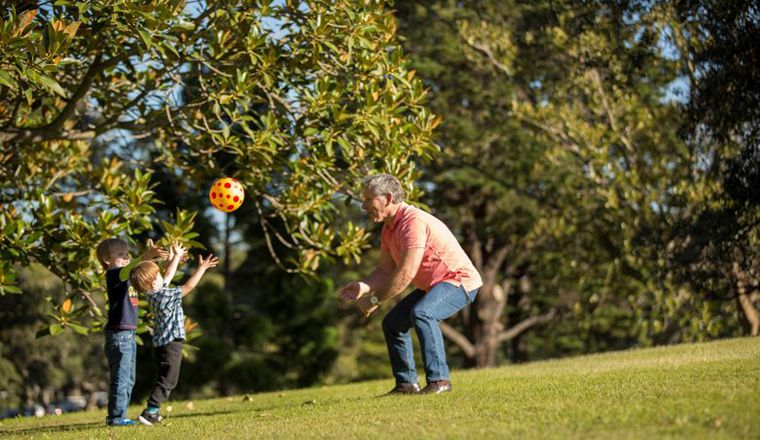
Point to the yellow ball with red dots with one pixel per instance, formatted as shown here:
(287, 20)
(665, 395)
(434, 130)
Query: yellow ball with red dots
(226, 194)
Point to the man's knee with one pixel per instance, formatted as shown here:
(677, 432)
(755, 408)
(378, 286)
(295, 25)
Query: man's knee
(420, 313)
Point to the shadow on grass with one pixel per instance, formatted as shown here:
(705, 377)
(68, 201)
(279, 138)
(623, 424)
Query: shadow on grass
(54, 428)
(73, 427)
(89, 425)
(203, 414)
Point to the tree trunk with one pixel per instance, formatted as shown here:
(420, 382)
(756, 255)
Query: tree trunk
(485, 324)
(224, 387)
(483, 327)
(749, 314)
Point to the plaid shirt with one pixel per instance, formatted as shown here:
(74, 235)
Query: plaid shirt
(166, 305)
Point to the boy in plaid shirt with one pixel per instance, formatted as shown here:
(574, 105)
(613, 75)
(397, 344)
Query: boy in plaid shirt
(169, 327)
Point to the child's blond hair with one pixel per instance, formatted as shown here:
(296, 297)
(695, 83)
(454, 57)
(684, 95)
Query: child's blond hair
(143, 275)
(108, 246)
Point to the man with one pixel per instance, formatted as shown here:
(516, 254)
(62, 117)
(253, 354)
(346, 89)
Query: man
(418, 248)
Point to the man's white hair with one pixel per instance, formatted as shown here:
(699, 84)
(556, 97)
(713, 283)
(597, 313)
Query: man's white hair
(381, 184)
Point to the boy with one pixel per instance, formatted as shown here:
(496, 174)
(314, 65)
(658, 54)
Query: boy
(120, 346)
(169, 327)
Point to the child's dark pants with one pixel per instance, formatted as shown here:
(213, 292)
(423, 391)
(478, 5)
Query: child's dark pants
(167, 359)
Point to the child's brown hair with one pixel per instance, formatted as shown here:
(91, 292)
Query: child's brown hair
(143, 275)
(106, 247)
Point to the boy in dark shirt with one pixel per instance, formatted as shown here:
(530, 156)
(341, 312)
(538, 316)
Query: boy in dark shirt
(120, 346)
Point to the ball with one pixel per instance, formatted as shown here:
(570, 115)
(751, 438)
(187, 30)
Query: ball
(226, 194)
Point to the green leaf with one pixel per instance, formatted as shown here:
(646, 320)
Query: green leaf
(124, 272)
(183, 25)
(7, 80)
(55, 329)
(45, 81)
(10, 289)
(145, 37)
(82, 330)
(42, 332)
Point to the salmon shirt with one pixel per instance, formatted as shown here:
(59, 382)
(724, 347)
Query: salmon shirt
(443, 258)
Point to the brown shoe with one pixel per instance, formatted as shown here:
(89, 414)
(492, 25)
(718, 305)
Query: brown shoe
(437, 387)
(404, 388)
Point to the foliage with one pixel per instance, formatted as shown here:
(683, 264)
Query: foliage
(558, 144)
(44, 371)
(714, 241)
(298, 112)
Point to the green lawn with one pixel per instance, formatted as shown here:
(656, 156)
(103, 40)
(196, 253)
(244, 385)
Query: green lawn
(690, 391)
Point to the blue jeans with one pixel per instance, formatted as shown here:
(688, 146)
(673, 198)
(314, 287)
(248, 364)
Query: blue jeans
(423, 311)
(121, 351)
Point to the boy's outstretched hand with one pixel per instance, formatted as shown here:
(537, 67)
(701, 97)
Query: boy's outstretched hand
(209, 261)
(152, 251)
(177, 249)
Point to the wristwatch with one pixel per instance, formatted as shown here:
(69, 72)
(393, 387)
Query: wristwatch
(374, 300)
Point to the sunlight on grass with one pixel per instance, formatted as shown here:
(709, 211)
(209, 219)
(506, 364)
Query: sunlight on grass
(687, 391)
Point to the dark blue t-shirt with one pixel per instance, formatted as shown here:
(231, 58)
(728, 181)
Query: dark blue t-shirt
(122, 302)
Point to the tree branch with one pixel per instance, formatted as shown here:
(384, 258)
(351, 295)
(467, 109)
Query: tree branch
(52, 130)
(486, 50)
(526, 324)
(610, 114)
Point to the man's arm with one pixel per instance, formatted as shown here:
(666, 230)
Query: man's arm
(399, 278)
(383, 271)
(357, 289)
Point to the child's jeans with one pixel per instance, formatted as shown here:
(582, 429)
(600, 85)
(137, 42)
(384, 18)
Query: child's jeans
(121, 351)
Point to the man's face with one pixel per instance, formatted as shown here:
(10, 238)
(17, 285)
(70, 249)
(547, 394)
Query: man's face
(118, 258)
(376, 206)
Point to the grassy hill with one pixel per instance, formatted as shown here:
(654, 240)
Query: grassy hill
(709, 390)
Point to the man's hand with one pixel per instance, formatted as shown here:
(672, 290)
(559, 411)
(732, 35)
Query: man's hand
(208, 262)
(366, 306)
(353, 291)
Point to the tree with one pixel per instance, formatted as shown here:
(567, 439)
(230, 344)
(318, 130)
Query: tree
(61, 195)
(297, 99)
(714, 242)
(559, 145)
(44, 371)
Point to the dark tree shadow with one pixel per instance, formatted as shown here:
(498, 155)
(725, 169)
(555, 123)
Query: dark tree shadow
(53, 428)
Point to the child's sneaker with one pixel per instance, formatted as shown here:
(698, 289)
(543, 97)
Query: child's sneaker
(150, 416)
(121, 422)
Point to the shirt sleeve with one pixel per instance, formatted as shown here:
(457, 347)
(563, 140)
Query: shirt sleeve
(413, 234)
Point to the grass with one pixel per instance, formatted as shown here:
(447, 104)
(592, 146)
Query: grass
(707, 390)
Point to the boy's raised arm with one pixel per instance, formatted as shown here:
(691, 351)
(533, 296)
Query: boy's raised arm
(203, 264)
(177, 251)
(152, 251)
